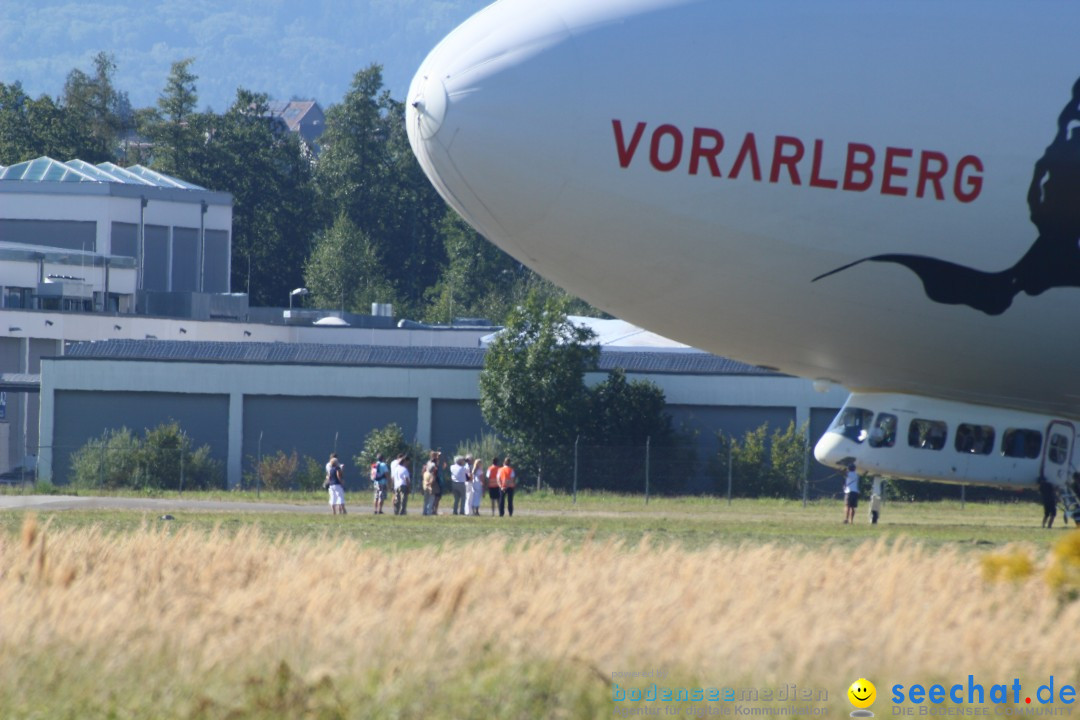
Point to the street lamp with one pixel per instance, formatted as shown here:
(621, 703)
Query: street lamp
(298, 292)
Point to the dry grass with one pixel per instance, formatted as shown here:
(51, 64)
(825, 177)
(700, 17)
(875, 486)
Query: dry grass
(160, 624)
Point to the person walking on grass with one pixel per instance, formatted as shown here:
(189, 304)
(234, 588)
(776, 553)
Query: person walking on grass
(432, 485)
(507, 484)
(875, 500)
(379, 475)
(402, 483)
(476, 487)
(459, 477)
(491, 482)
(335, 485)
(1049, 501)
(851, 494)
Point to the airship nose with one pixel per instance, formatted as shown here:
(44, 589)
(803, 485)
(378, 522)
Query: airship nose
(491, 116)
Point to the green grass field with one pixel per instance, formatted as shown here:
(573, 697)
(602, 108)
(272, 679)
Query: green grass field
(692, 522)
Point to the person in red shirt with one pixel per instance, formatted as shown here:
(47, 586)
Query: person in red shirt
(507, 483)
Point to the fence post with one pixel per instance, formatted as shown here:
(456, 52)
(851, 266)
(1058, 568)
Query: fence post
(576, 441)
(181, 451)
(258, 468)
(806, 469)
(647, 441)
(729, 468)
(101, 467)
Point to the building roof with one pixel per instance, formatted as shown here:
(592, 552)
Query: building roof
(46, 169)
(292, 111)
(650, 362)
(615, 334)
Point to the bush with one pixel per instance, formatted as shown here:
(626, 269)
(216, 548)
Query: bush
(162, 459)
(108, 462)
(278, 472)
(388, 441)
(763, 464)
(485, 448)
(311, 474)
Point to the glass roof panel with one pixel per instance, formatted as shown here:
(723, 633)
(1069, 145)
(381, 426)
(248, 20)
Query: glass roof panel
(123, 175)
(44, 169)
(162, 179)
(92, 170)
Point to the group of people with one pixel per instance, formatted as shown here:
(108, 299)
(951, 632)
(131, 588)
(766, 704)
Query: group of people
(1048, 494)
(466, 478)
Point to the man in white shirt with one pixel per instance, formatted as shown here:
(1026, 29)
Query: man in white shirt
(459, 475)
(399, 471)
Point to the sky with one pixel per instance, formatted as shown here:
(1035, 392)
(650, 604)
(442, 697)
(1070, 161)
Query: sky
(287, 49)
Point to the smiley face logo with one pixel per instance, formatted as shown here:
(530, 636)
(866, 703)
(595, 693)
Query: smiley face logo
(862, 693)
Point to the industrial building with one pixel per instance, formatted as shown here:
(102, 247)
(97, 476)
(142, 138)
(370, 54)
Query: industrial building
(82, 237)
(82, 248)
(116, 305)
(246, 398)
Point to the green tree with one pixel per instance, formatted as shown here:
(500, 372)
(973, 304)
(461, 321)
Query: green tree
(174, 126)
(751, 463)
(368, 172)
(389, 441)
(17, 139)
(478, 279)
(788, 452)
(94, 104)
(255, 157)
(32, 128)
(345, 269)
(532, 387)
(627, 412)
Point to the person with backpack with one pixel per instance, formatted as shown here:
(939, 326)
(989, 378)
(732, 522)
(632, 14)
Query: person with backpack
(379, 473)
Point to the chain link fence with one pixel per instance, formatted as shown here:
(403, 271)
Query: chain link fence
(726, 467)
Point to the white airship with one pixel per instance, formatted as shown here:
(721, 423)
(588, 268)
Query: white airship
(880, 195)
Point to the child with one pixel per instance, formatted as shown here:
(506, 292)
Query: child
(875, 501)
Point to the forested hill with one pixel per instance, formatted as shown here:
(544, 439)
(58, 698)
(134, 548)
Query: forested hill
(282, 48)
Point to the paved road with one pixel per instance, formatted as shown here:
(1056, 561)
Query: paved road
(163, 506)
(157, 505)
